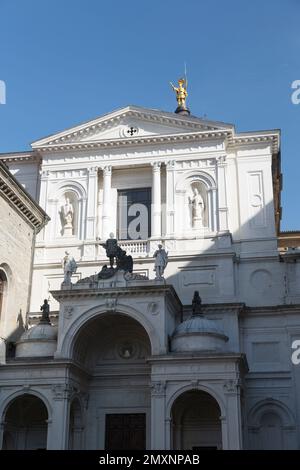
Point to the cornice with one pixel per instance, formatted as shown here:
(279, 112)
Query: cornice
(20, 157)
(245, 139)
(15, 194)
(114, 118)
(112, 292)
(135, 141)
(233, 141)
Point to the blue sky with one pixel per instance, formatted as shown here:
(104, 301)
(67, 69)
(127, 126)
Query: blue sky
(67, 61)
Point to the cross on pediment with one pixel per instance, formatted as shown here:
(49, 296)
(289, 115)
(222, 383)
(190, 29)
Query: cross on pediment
(132, 130)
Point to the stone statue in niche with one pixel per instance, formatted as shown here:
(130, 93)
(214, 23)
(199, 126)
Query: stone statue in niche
(197, 204)
(67, 217)
(69, 266)
(161, 261)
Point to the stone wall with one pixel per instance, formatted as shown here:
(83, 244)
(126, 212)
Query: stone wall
(15, 260)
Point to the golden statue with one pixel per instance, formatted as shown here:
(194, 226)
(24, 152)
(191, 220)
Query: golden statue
(181, 93)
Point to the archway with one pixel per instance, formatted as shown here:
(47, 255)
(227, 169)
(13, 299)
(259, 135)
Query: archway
(25, 424)
(196, 422)
(113, 347)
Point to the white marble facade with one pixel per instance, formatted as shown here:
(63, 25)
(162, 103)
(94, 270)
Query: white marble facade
(121, 351)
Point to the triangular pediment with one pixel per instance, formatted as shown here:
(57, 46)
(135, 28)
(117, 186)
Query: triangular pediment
(130, 122)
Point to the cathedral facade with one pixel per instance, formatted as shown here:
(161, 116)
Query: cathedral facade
(130, 356)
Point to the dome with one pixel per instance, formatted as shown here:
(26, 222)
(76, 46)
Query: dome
(40, 331)
(198, 333)
(38, 341)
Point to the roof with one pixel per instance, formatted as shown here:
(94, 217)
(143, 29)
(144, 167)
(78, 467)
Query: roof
(17, 196)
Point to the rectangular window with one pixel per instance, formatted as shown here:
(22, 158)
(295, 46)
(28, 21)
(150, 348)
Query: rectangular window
(134, 214)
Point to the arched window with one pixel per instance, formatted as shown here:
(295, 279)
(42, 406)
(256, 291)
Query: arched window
(3, 290)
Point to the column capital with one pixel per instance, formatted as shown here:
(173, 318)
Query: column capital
(45, 174)
(221, 160)
(158, 388)
(156, 166)
(107, 169)
(93, 170)
(170, 165)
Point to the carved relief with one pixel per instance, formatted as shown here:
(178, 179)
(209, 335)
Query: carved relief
(63, 391)
(231, 386)
(68, 311)
(153, 308)
(158, 388)
(111, 304)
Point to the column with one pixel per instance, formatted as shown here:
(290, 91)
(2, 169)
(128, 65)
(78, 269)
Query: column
(99, 210)
(158, 423)
(92, 203)
(233, 415)
(170, 198)
(58, 426)
(2, 425)
(222, 206)
(106, 205)
(45, 232)
(156, 201)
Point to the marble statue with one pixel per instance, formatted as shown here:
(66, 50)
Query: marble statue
(161, 261)
(197, 208)
(69, 266)
(67, 216)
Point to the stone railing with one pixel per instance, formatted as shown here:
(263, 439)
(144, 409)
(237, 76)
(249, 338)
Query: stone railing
(135, 247)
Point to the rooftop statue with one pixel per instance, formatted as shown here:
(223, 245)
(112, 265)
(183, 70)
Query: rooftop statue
(45, 308)
(69, 266)
(196, 304)
(116, 255)
(181, 95)
(161, 261)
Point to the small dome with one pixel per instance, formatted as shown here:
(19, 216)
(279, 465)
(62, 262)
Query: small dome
(40, 331)
(198, 333)
(198, 324)
(38, 341)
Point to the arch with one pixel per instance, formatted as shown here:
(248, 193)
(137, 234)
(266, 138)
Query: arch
(271, 426)
(193, 176)
(19, 393)
(185, 218)
(196, 421)
(200, 387)
(67, 185)
(77, 194)
(270, 405)
(68, 343)
(25, 419)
